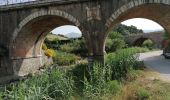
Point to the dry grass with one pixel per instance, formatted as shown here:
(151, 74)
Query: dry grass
(150, 81)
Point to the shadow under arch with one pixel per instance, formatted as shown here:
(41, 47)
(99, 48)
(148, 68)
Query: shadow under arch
(138, 42)
(25, 47)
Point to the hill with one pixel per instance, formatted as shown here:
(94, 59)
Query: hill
(52, 37)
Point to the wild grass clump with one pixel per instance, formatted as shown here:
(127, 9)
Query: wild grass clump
(99, 85)
(52, 85)
(142, 94)
(65, 59)
(138, 49)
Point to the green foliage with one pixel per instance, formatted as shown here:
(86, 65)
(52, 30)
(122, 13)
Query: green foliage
(96, 87)
(148, 44)
(127, 30)
(166, 36)
(114, 86)
(115, 35)
(122, 61)
(67, 48)
(65, 59)
(54, 85)
(143, 94)
(97, 82)
(108, 44)
(114, 42)
(76, 47)
(118, 44)
(54, 44)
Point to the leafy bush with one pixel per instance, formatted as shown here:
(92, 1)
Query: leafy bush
(64, 59)
(122, 62)
(50, 52)
(114, 86)
(115, 35)
(114, 42)
(143, 94)
(76, 47)
(128, 30)
(67, 48)
(118, 44)
(148, 44)
(108, 44)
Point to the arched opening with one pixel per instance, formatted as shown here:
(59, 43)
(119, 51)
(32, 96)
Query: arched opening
(65, 45)
(142, 42)
(152, 11)
(132, 33)
(26, 50)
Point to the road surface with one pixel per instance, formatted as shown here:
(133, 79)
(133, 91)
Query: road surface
(157, 62)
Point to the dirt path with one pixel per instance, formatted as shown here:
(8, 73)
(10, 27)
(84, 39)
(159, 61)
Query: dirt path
(155, 61)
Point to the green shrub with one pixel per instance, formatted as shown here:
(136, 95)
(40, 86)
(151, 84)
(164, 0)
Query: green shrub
(76, 47)
(122, 62)
(114, 86)
(65, 59)
(108, 44)
(115, 35)
(67, 48)
(143, 94)
(49, 52)
(148, 44)
(118, 44)
(114, 42)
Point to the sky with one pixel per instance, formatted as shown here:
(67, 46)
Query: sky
(66, 29)
(144, 24)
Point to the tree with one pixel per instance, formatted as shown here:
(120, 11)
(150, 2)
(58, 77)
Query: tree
(127, 30)
(114, 42)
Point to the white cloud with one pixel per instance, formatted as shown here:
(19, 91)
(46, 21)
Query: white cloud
(143, 24)
(66, 29)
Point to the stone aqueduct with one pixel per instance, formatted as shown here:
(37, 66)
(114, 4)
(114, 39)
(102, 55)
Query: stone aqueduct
(137, 40)
(23, 27)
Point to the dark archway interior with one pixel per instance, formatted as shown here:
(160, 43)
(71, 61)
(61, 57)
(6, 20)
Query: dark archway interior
(139, 42)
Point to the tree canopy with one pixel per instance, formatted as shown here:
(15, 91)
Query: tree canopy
(127, 30)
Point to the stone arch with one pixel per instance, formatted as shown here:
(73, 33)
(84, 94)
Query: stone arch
(61, 15)
(139, 41)
(135, 3)
(43, 13)
(26, 42)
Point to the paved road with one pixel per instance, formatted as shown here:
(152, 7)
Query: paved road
(155, 61)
